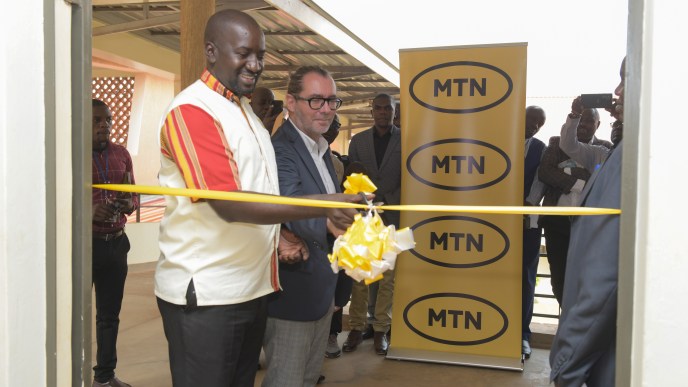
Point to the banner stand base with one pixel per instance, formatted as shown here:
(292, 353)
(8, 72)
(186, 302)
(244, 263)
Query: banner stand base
(502, 363)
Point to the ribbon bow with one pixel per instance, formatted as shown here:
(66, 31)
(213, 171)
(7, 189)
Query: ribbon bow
(368, 248)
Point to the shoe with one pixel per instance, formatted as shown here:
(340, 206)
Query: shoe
(525, 348)
(368, 333)
(332, 351)
(381, 343)
(352, 341)
(114, 382)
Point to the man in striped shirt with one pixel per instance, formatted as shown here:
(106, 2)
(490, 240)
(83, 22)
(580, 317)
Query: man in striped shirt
(218, 259)
(111, 163)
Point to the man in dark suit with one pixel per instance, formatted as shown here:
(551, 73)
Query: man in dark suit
(535, 119)
(564, 179)
(379, 150)
(584, 349)
(299, 316)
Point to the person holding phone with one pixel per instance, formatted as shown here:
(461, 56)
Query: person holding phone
(565, 179)
(111, 164)
(590, 156)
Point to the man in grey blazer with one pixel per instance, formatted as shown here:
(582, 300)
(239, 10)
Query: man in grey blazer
(379, 150)
(299, 316)
(584, 349)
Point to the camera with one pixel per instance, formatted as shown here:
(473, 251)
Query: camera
(591, 101)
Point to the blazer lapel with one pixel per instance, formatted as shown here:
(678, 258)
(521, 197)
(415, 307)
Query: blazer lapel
(330, 168)
(305, 156)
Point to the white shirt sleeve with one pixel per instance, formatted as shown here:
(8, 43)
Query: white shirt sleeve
(587, 155)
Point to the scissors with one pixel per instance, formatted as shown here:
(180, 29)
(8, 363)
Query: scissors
(371, 205)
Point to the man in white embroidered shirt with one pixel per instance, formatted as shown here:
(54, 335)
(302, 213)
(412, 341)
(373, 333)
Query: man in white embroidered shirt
(218, 259)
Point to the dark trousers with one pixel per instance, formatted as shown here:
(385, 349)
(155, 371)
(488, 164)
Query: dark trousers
(531, 257)
(557, 235)
(109, 271)
(342, 295)
(214, 346)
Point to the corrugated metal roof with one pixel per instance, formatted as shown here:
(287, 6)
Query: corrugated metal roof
(289, 42)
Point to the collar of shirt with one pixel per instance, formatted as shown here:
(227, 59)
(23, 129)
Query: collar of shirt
(377, 134)
(213, 83)
(316, 149)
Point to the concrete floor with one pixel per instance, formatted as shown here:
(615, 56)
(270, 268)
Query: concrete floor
(143, 360)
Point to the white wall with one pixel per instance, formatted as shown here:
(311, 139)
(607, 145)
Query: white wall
(659, 337)
(22, 197)
(144, 242)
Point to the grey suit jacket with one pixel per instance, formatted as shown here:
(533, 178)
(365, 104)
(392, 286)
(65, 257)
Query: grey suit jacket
(307, 287)
(387, 177)
(583, 350)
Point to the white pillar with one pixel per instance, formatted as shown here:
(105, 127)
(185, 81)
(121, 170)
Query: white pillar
(152, 94)
(661, 266)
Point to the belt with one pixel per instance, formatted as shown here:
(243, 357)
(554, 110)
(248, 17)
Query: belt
(108, 237)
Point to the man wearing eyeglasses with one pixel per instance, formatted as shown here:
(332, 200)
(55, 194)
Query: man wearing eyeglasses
(379, 150)
(299, 316)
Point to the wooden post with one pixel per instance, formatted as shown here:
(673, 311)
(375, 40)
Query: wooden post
(194, 15)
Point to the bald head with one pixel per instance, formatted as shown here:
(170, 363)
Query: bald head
(535, 119)
(262, 99)
(216, 26)
(234, 50)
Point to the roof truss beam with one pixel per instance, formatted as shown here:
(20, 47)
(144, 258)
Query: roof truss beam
(314, 18)
(174, 18)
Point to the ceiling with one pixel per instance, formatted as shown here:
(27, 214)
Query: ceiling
(290, 43)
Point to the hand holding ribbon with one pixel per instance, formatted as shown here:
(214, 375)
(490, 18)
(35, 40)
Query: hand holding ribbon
(368, 248)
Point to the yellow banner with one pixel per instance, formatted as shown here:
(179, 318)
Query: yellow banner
(457, 297)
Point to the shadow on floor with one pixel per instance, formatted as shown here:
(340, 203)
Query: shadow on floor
(143, 360)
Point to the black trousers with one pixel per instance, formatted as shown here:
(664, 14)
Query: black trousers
(342, 295)
(109, 272)
(557, 236)
(214, 346)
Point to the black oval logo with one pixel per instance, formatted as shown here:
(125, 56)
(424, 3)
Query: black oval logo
(444, 87)
(485, 244)
(432, 162)
(455, 319)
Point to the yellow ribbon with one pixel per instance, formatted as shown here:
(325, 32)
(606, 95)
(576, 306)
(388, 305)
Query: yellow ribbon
(222, 195)
(357, 183)
(260, 198)
(368, 248)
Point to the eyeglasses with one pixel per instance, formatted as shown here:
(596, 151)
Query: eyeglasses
(317, 103)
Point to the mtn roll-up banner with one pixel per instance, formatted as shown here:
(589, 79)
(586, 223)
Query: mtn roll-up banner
(457, 297)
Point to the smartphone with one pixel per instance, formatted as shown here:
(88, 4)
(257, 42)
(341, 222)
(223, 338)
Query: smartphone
(277, 107)
(596, 100)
